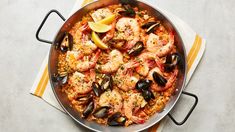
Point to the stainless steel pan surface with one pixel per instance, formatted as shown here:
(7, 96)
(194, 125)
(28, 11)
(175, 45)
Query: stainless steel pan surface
(62, 98)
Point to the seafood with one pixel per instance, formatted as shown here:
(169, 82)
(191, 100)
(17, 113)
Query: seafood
(115, 60)
(135, 101)
(112, 99)
(170, 79)
(118, 65)
(82, 82)
(155, 45)
(124, 77)
(128, 27)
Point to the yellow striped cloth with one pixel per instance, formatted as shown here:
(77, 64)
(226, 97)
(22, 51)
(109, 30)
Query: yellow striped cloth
(194, 45)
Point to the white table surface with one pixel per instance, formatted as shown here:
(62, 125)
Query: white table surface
(21, 55)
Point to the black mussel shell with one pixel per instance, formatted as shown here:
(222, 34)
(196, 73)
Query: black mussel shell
(148, 95)
(143, 84)
(136, 49)
(101, 112)
(61, 79)
(96, 89)
(125, 2)
(129, 11)
(147, 25)
(84, 99)
(88, 110)
(172, 60)
(159, 79)
(116, 120)
(151, 29)
(67, 42)
(107, 82)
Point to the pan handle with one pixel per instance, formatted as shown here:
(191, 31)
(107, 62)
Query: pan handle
(43, 22)
(190, 111)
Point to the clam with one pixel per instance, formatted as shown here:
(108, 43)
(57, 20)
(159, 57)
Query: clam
(116, 120)
(159, 79)
(88, 110)
(107, 82)
(67, 42)
(101, 112)
(171, 61)
(148, 95)
(136, 49)
(143, 84)
(84, 99)
(96, 89)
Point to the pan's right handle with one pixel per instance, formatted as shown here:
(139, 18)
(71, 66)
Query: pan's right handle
(190, 111)
(43, 22)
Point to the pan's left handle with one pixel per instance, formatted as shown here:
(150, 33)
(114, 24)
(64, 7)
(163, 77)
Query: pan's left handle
(43, 22)
(190, 111)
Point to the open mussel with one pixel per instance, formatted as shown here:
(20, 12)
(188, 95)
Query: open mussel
(60, 78)
(172, 60)
(84, 99)
(136, 49)
(101, 112)
(128, 11)
(159, 79)
(143, 84)
(97, 89)
(88, 110)
(65, 42)
(150, 26)
(116, 120)
(107, 82)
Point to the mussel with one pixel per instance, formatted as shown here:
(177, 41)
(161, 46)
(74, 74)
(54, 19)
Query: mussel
(150, 26)
(107, 82)
(60, 78)
(159, 79)
(101, 112)
(88, 110)
(143, 84)
(65, 42)
(128, 11)
(84, 99)
(116, 120)
(96, 89)
(136, 49)
(148, 95)
(171, 61)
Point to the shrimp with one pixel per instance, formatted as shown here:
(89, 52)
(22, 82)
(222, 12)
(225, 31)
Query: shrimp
(147, 60)
(155, 45)
(109, 35)
(115, 60)
(87, 64)
(134, 101)
(124, 77)
(101, 14)
(88, 48)
(113, 99)
(72, 57)
(129, 30)
(82, 82)
(170, 79)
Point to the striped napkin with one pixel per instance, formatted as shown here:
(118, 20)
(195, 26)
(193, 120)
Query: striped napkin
(194, 44)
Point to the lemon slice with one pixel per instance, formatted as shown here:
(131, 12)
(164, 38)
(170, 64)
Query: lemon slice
(98, 41)
(98, 27)
(108, 20)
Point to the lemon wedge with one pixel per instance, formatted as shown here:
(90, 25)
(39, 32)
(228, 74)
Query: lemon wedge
(98, 41)
(98, 27)
(108, 20)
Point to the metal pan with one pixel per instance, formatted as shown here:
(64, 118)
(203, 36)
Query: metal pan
(62, 98)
